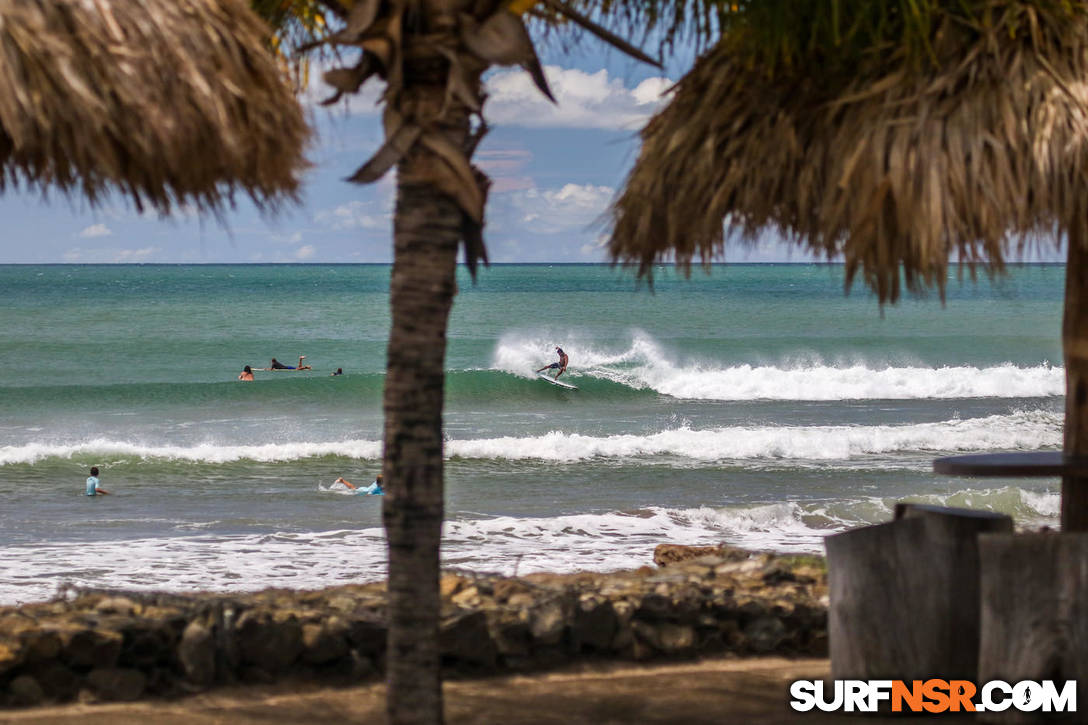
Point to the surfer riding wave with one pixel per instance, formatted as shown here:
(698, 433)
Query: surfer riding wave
(560, 366)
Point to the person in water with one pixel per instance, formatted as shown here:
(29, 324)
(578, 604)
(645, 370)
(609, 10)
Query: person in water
(339, 371)
(247, 373)
(374, 489)
(93, 488)
(560, 366)
(277, 365)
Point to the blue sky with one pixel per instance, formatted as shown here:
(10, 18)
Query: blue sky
(554, 167)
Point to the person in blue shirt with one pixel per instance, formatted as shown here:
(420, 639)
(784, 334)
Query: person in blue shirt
(374, 489)
(93, 489)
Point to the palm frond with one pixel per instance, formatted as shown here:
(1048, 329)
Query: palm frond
(898, 166)
(84, 106)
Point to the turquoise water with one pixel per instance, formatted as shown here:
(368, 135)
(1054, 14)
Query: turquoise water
(757, 405)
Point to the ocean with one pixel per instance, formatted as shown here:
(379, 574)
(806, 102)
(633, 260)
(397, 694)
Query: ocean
(758, 406)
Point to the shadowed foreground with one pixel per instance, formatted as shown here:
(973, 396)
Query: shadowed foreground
(713, 691)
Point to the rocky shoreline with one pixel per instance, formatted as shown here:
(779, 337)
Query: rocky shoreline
(700, 601)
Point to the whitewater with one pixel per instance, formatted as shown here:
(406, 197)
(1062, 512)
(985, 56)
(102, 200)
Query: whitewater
(647, 364)
(1023, 430)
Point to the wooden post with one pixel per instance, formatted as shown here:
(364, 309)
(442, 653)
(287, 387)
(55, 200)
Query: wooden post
(1075, 354)
(1034, 614)
(905, 595)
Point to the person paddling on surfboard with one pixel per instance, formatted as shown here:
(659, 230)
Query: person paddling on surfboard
(277, 365)
(560, 366)
(374, 489)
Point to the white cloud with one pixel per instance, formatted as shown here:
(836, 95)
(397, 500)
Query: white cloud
(574, 207)
(109, 255)
(95, 230)
(354, 215)
(305, 252)
(506, 167)
(585, 100)
(135, 255)
(288, 239)
(595, 249)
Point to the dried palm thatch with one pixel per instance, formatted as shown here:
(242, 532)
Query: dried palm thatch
(891, 162)
(166, 101)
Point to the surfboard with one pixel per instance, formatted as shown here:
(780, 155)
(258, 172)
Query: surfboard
(558, 383)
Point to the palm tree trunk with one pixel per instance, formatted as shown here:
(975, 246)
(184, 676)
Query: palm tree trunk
(1075, 352)
(426, 230)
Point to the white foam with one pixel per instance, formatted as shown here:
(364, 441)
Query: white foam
(1045, 504)
(1020, 430)
(199, 453)
(590, 542)
(337, 488)
(645, 364)
(505, 545)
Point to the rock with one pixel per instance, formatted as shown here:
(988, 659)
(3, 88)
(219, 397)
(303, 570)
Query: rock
(368, 636)
(777, 572)
(467, 597)
(116, 605)
(731, 636)
(817, 645)
(504, 589)
(732, 602)
(654, 606)
(362, 667)
(675, 638)
(271, 641)
(324, 642)
(594, 626)
(146, 643)
(752, 609)
(521, 600)
(667, 554)
(196, 653)
(764, 634)
(642, 643)
(510, 633)
(466, 639)
(117, 683)
(665, 637)
(86, 647)
(39, 645)
(450, 584)
(739, 568)
(57, 681)
(547, 622)
(24, 690)
(254, 674)
(11, 654)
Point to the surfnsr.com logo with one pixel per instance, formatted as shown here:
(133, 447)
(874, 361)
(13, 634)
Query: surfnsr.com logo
(933, 696)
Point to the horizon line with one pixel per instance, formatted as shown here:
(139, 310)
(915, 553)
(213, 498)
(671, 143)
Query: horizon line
(619, 265)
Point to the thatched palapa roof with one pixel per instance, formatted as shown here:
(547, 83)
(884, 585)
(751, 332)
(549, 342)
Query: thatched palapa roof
(166, 101)
(890, 158)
